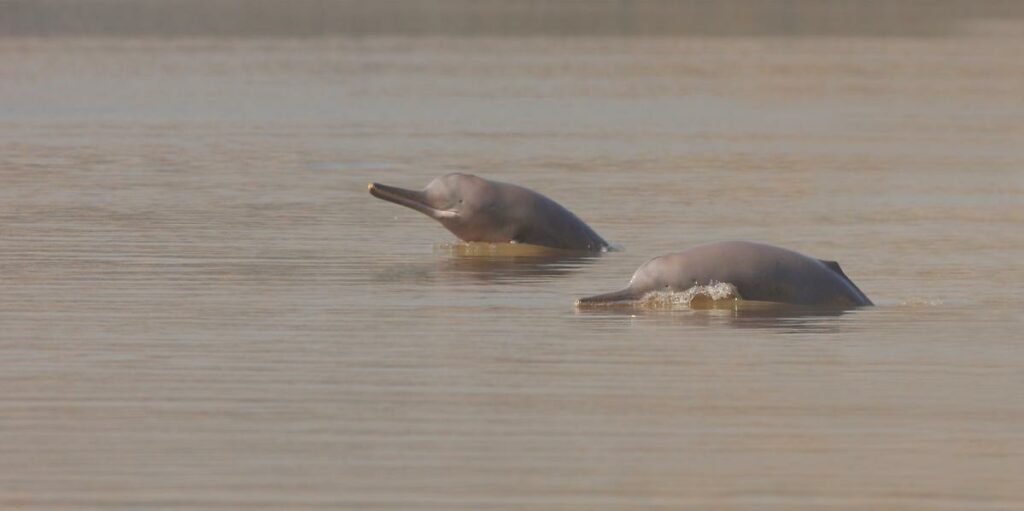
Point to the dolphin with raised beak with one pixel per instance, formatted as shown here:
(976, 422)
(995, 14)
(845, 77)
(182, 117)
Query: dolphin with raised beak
(477, 209)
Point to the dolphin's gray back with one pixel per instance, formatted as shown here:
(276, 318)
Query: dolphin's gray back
(768, 273)
(548, 223)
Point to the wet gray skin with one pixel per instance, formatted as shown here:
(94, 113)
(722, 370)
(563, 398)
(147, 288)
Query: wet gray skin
(759, 272)
(477, 209)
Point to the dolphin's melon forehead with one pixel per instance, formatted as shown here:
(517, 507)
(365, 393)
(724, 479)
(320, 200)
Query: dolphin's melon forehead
(650, 262)
(641, 271)
(457, 175)
(454, 180)
(654, 267)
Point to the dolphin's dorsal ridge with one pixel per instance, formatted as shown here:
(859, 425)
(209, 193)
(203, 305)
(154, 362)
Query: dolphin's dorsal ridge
(834, 266)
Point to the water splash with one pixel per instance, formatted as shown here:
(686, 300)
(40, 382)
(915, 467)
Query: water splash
(922, 302)
(715, 295)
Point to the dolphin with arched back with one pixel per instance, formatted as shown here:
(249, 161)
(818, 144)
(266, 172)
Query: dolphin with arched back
(758, 272)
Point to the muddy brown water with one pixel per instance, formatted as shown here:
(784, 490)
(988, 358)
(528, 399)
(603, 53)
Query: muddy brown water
(201, 307)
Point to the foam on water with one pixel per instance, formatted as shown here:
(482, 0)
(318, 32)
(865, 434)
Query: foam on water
(922, 302)
(712, 296)
(716, 295)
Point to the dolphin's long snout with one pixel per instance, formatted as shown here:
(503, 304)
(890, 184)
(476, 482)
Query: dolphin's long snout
(394, 193)
(409, 198)
(607, 299)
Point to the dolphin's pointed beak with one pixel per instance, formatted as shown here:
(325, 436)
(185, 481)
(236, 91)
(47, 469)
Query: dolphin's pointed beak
(409, 198)
(608, 298)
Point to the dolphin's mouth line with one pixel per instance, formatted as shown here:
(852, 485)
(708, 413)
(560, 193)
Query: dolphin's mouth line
(408, 198)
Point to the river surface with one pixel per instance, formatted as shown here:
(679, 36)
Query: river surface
(202, 307)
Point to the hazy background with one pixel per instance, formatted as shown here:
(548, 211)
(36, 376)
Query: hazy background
(308, 18)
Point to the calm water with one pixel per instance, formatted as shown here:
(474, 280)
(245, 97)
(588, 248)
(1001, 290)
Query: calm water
(201, 306)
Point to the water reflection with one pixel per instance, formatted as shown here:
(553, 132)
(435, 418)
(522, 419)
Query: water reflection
(504, 262)
(779, 318)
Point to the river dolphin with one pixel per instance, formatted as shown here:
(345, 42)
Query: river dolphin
(758, 272)
(477, 209)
